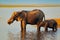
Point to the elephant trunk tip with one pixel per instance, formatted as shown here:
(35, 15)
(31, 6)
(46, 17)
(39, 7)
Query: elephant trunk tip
(8, 22)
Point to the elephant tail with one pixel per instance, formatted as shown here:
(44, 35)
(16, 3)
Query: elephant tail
(43, 17)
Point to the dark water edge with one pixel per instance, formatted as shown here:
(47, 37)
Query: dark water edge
(34, 35)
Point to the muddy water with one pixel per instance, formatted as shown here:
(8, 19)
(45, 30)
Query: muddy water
(34, 35)
(12, 32)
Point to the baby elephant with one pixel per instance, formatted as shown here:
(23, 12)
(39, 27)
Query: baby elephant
(49, 24)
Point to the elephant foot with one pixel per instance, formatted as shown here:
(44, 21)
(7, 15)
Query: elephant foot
(46, 30)
(38, 30)
(54, 30)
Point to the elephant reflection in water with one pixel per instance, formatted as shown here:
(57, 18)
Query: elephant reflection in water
(46, 35)
(23, 35)
(33, 17)
(38, 35)
(49, 24)
(35, 35)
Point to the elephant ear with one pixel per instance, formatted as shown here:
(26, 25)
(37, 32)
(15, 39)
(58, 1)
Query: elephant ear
(14, 13)
(23, 14)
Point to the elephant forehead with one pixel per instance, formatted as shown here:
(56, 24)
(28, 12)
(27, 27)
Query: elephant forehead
(14, 13)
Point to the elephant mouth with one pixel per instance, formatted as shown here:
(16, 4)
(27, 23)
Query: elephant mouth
(9, 22)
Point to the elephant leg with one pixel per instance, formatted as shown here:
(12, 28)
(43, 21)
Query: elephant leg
(55, 26)
(46, 27)
(38, 28)
(23, 25)
(55, 29)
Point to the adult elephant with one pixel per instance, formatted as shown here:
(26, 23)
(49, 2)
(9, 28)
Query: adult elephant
(49, 24)
(33, 17)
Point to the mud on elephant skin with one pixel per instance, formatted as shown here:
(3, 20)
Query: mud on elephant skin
(33, 17)
(49, 24)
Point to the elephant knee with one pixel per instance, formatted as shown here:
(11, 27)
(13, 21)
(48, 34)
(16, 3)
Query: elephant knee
(38, 28)
(23, 28)
(46, 29)
(55, 28)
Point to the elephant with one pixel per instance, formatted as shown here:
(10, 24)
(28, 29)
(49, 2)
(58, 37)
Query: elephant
(33, 17)
(49, 24)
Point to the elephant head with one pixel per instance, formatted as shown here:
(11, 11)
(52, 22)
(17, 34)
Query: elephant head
(18, 16)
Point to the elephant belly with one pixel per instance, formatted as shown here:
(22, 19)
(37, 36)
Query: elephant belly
(32, 20)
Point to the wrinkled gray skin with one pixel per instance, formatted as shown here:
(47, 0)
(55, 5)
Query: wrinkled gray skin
(49, 24)
(33, 17)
